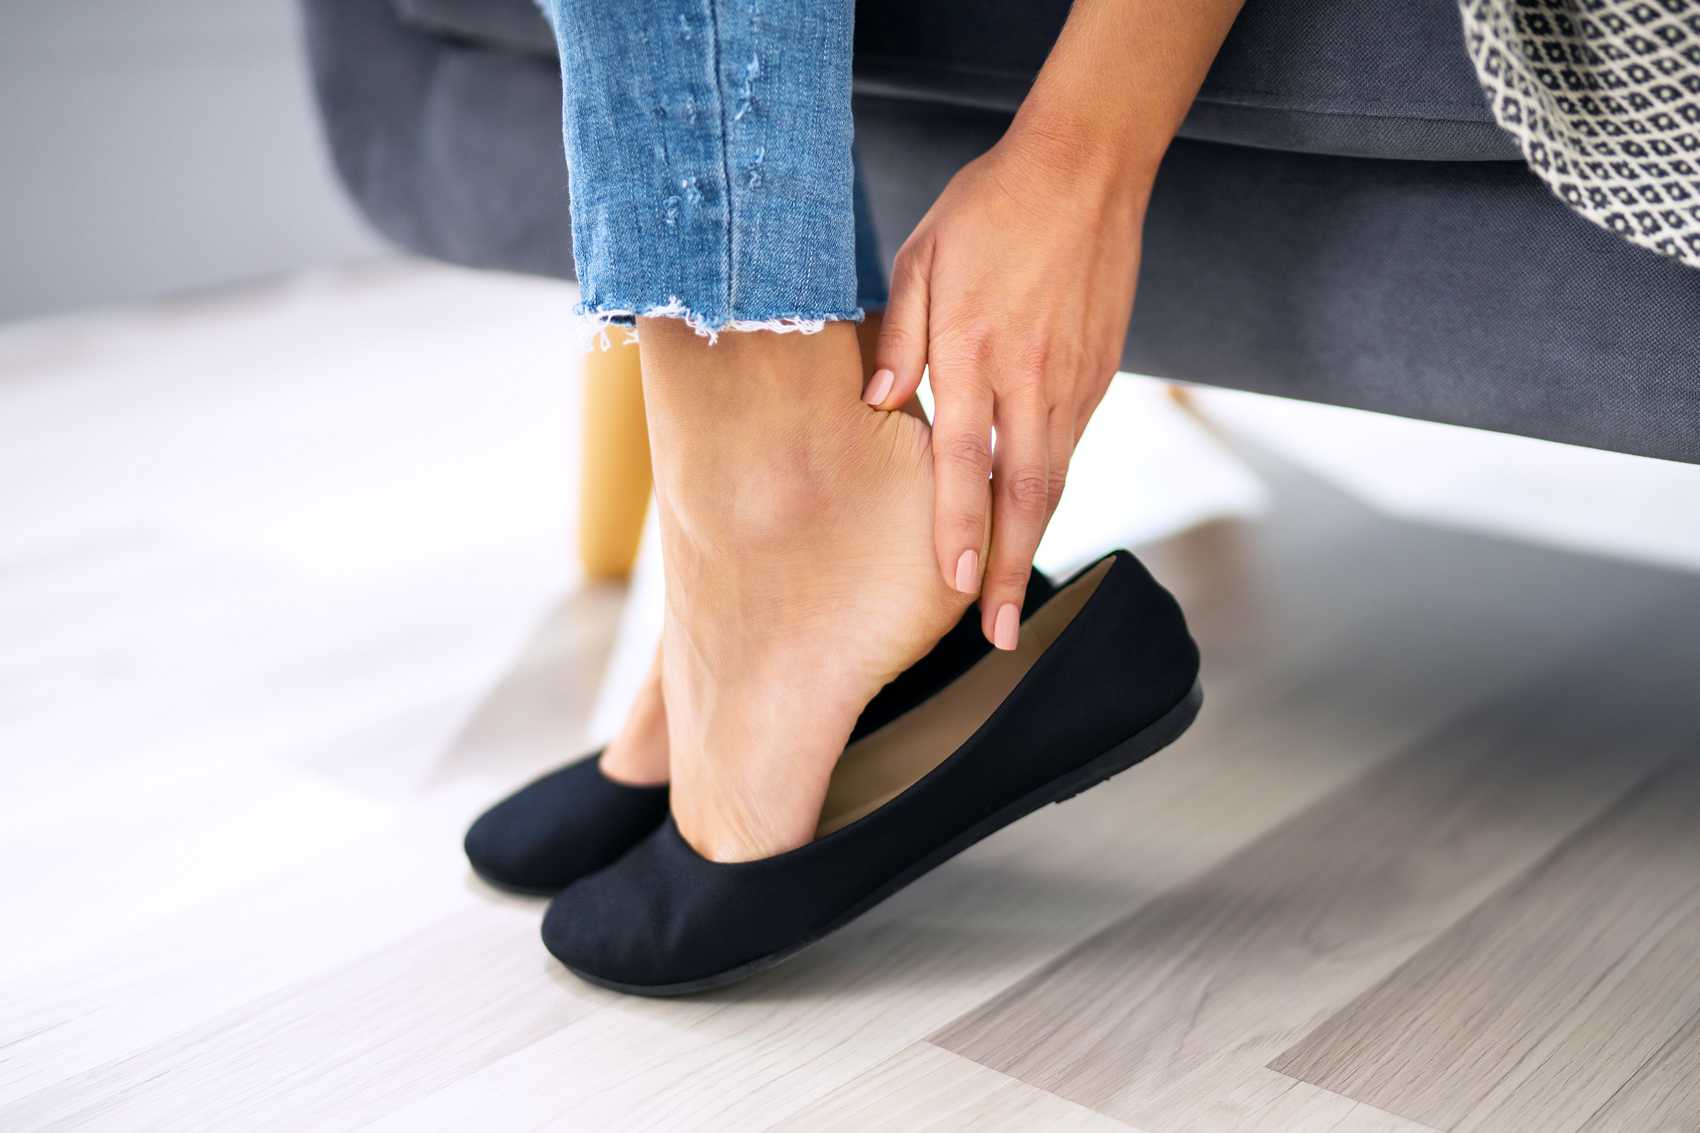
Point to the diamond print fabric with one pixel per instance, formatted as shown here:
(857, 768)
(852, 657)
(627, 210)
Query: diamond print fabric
(1604, 98)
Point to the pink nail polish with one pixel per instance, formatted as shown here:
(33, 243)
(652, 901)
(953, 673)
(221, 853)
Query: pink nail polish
(1006, 631)
(879, 387)
(968, 572)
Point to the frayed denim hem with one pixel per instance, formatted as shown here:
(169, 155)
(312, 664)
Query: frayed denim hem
(595, 323)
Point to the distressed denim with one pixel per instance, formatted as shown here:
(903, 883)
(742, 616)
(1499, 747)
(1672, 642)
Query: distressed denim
(710, 156)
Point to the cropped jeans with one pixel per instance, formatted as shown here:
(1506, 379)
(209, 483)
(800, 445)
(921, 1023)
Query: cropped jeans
(710, 155)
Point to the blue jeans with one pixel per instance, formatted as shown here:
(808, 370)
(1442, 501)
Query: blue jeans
(711, 162)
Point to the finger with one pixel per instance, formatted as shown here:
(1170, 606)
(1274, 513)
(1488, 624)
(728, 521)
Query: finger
(1088, 405)
(1059, 451)
(962, 461)
(902, 351)
(1020, 507)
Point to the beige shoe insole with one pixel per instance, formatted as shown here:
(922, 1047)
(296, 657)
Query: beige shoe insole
(877, 768)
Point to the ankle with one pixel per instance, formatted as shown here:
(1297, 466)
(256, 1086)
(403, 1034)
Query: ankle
(770, 421)
(767, 368)
(746, 389)
(639, 755)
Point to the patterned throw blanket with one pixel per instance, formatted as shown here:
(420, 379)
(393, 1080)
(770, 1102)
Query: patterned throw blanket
(1604, 97)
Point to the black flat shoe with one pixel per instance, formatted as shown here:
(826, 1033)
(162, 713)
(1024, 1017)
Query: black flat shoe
(569, 823)
(576, 820)
(1106, 674)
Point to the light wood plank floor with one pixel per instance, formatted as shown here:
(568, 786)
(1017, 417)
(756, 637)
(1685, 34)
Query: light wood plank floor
(1553, 996)
(1427, 860)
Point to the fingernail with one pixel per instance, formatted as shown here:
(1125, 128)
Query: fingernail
(968, 572)
(1006, 631)
(879, 387)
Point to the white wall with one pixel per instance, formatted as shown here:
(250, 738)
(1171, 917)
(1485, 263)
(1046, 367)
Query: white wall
(157, 146)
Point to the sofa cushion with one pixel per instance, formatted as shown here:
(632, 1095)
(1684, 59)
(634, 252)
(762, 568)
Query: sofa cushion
(1356, 78)
(512, 25)
(450, 149)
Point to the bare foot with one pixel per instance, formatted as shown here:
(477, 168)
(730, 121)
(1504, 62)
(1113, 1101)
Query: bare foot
(637, 756)
(797, 528)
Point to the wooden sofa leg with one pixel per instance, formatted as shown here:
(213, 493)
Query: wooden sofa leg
(614, 491)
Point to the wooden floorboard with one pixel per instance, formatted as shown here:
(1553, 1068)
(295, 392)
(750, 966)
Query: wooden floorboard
(1663, 1095)
(923, 1089)
(1263, 1101)
(1535, 1010)
(533, 720)
(1166, 1010)
(431, 1009)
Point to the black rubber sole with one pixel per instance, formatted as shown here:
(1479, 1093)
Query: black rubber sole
(1142, 746)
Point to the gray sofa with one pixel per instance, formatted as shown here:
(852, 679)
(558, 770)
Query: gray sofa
(1340, 221)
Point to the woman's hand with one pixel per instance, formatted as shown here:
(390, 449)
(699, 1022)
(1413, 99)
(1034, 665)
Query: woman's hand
(1015, 292)
(1015, 289)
